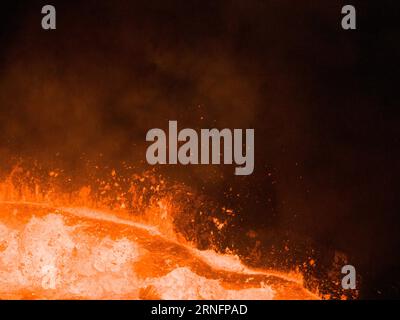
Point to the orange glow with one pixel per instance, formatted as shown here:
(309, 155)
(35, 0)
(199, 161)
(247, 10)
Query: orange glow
(93, 244)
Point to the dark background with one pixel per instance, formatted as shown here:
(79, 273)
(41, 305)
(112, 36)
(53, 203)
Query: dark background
(322, 101)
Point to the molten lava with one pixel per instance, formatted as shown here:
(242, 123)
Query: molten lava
(59, 250)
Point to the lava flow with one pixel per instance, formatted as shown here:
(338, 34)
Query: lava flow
(61, 250)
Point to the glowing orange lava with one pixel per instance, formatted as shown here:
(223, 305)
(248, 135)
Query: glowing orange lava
(58, 246)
